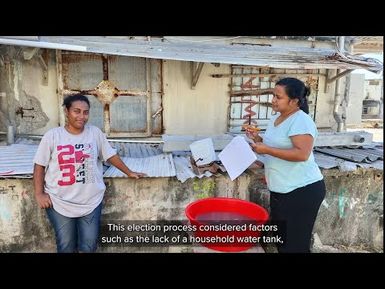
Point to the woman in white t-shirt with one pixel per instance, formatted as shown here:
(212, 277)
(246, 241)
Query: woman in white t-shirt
(294, 180)
(68, 177)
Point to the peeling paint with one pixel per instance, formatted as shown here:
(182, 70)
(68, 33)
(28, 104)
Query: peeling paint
(341, 202)
(5, 214)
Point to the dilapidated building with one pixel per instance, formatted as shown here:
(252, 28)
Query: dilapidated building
(153, 96)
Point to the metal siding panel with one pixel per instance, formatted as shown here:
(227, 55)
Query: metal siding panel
(156, 75)
(129, 113)
(154, 166)
(96, 112)
(128, 73)
(137, 150)
(17, 159)
(81, 72)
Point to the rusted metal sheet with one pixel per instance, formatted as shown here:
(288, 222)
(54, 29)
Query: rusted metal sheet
(81, 71)
(124, 91)
(129, 114)
(278, 56)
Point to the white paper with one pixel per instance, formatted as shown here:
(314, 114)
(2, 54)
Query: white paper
(203, 151)
(237, 156)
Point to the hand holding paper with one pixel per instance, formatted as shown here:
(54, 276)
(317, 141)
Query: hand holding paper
(237, 156)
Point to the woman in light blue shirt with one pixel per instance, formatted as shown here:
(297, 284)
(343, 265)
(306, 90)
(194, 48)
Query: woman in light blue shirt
(295, 182)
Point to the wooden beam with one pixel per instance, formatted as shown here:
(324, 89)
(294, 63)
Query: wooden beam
(29, 52)
(43, 60)
(347, 71)
(252, 92)
(195, 73)
(327, 84)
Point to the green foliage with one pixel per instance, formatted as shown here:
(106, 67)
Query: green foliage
(204, 188)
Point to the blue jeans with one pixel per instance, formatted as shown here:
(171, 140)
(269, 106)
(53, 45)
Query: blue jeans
(76, 234)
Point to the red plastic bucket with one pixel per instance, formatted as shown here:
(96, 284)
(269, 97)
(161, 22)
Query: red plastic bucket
(223, 213)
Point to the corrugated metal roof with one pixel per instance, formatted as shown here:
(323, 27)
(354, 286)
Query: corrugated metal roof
(258, 55)
(17, 159)
(348, 159)
(329, 162)
(154, 166)
(360, 155)
(137, 150)
(379, 165)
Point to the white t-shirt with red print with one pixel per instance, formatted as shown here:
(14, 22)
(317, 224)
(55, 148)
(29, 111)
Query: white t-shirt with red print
(74, 168)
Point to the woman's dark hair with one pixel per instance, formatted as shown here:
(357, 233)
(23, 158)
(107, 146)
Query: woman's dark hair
(295, 88)
(67, 102)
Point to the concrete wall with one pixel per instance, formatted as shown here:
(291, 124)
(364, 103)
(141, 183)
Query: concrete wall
(25, 228)
(351, 215)
(325, 101)
(203, 110)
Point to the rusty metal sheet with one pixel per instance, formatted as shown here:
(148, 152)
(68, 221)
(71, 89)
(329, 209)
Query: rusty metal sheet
(175, 48)
(120, 89)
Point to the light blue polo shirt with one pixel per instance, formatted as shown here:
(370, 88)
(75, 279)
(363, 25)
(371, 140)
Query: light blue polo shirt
(285, 176)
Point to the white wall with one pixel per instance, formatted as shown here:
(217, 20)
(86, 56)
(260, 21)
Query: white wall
(356, 96)
(325, 101)
(373, 89)
(32, 77)
(203, 110)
